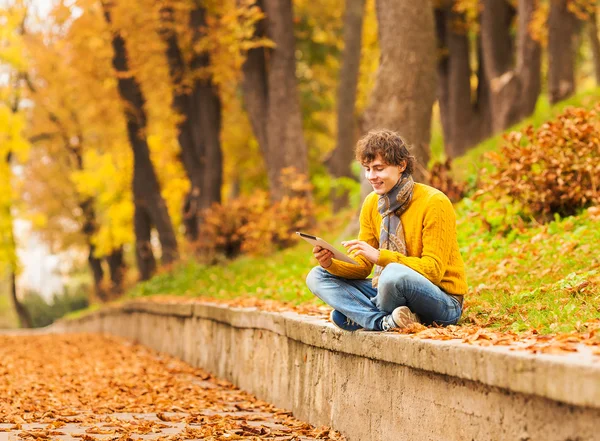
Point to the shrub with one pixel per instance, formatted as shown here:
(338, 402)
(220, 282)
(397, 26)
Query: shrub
(44, 313)
(253, 224)
(554, 169)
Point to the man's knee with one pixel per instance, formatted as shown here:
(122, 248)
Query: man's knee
(315, 277)
(393, 277)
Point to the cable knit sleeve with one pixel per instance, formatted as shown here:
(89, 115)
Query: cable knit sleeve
(438, 235)
(368, 233)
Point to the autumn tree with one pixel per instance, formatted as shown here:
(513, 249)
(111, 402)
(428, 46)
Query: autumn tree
(150, 207)
(342, 156)
(271, 95)
(465, 115)
(405, 87)
(513, 67)
(196, 100)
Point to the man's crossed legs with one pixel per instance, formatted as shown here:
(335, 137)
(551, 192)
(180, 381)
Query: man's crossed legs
(401, 293)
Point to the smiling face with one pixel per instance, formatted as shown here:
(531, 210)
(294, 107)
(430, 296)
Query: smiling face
(382, 176)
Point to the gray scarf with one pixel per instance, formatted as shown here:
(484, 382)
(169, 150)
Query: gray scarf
(391, 205)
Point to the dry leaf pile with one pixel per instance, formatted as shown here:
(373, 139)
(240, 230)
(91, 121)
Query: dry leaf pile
(587, 340)
(92, 387)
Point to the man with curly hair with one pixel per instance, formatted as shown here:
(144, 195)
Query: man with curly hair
(408, 231)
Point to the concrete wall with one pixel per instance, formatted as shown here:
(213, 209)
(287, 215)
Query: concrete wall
(371, 386)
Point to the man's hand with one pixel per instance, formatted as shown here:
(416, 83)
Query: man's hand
(362, 248)
(323, 256)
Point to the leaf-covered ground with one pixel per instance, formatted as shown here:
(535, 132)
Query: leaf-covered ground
(90, 387)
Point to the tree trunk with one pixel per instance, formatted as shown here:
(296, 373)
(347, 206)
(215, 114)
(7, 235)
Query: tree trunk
(514, 77)
(24, 316)
(405, 86)
(88, 230)
(561, 58)
(182, 105)
(592, 30)
(465, 120)
(341, 158)
(116, 265)
(143, 247)
(271, 95)
(146, 189)
(498, 59)
(207, 106)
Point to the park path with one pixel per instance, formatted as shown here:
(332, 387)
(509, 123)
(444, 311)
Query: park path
(91, 387)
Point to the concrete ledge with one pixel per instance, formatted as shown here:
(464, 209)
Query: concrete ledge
(371, 385)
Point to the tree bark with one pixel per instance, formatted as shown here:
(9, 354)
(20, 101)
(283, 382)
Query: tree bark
(498, 60)
(405, 86)
(146, 189)
(592, 30)
(514, 74)
(143, 247)
(22, 313)
(465, 119)
(88, 230)
(529, 61)
(561, 58)
(341, 158)
(271, 95)
(182, 105)
(117, 267)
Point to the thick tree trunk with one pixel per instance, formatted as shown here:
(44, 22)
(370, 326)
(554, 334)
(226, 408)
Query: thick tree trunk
(343, 154)
(529, 61)
(592, 30)
(498, 46)
(207, 119)
(561, 58)
(143, 247)
(182, 105)
(514, 75)
(465, 120)
(146, 189)
(204, 112)
(405, 86)
(498, 59)
(271, 95)
(116, 265)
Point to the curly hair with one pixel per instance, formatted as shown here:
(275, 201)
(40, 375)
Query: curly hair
(387, 144)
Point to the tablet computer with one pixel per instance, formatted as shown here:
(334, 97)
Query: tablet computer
(337, 254)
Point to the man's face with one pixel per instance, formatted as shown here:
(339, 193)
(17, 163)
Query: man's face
(382, 176)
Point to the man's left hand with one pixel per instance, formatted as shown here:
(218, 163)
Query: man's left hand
(362, 248)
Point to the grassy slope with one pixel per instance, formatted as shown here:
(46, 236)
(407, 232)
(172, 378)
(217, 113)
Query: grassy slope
(543, 277)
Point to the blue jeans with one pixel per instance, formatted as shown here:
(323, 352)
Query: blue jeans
(398, 285)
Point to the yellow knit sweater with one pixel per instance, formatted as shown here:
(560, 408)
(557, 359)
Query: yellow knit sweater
(430, 232)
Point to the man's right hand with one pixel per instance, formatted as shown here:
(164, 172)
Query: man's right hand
(323, 256)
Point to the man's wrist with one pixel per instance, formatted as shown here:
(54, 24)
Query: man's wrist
(325, 267)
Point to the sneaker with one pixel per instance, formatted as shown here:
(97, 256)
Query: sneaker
(343, 322)
(400, 318)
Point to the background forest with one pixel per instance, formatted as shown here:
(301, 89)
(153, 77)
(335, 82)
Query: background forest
(147, 133)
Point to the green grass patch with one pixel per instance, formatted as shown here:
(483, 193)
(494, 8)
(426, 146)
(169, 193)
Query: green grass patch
(545, 278)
